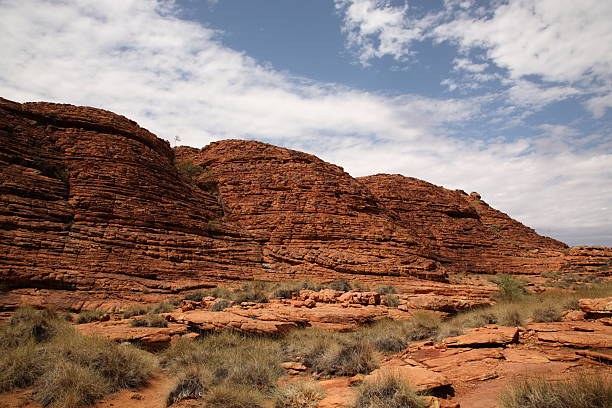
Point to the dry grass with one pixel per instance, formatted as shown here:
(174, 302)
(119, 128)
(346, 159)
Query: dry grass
(303, 394)
(578, 391)
(64, 368)
(233, 362)
(231, 396)
(387, 391)
(88, 316)
(149, 320)
(391, 300)
(386, 289)
(192, 382)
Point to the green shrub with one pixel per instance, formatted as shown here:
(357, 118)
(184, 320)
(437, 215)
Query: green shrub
(298, 395)
(20, 366)
(584, 390)
(511, 289)
(65, 368)
(340, 285)
(28, 324)
(387, 391)
(88, 316)
(196, 296)
(189, 169)
(355, 357)
(255, 296)
(392, 300)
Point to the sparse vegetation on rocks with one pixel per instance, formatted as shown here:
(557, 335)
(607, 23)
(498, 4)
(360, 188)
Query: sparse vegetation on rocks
(88, 316)
(386, 391)
(577, 391)
(304, 394)
(64, 368)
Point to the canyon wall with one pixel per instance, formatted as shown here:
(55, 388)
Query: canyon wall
(91, 204)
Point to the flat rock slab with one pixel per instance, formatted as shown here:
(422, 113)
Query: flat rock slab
(421, 378)
(217, 321)
(584, 334)
(488, 336)
(120, 330)
(599, 307)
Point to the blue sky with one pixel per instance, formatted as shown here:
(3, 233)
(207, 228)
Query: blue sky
(512, 99)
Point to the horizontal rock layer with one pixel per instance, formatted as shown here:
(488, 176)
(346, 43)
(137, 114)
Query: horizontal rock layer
(92, 204)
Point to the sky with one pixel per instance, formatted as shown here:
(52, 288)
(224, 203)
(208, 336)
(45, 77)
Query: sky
(512, 99)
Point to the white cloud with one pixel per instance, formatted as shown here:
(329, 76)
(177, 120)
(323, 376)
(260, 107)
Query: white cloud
(529, 94)
(374, 29)
(560, 40)
(175, 77)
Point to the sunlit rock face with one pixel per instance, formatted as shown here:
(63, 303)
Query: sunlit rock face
(94, 205)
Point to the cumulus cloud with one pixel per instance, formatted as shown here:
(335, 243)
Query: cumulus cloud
(175, 77)
(375, 29)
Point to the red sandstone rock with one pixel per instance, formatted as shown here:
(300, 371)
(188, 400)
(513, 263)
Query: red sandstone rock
(93, 207)
(422, 379)
(597, 307)
(153, 338)
(485, 336)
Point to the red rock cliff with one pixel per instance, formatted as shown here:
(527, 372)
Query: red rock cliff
(92, 202)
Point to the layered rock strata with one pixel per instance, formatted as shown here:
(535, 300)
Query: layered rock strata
(91, 202)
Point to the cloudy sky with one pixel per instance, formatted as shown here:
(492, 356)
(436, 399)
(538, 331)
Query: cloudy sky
(512, 99)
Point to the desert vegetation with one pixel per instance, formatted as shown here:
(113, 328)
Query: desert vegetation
(64, 368)
(582, 390)
(229, 369)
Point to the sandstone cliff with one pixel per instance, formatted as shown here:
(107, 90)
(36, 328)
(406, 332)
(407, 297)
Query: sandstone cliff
(90, 203)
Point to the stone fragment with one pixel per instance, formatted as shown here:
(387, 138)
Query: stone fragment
(488, 336)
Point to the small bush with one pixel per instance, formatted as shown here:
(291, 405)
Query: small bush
(298, 395)
(340, 285)
(232, 396)
(196, 296)
(193, 382)
(392, 300)
(135, 310)
(255, 296)
(149, 321)
(386, 290)
(70, 385)
(88, 316)
(28, 324)
(546, 314)
(163, 307)
(511, 317)
(220, 305)
(578, 391)
(386, 391)
(19, 367)
(423, 325)
(511, 289)
(356, 357)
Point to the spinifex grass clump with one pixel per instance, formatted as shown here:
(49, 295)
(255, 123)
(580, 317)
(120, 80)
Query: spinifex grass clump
(584, 390)
(236, 366)
(302, 394)
(64, 368)
(386, 391)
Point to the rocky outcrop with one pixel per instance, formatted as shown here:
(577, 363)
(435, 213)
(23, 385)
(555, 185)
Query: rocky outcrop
(467, 232)
(312, 219)
(92, 205)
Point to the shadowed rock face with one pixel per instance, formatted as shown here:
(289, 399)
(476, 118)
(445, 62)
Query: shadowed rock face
(92, 204)
(470, 234)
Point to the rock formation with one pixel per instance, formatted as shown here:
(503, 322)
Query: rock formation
(92, 204)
